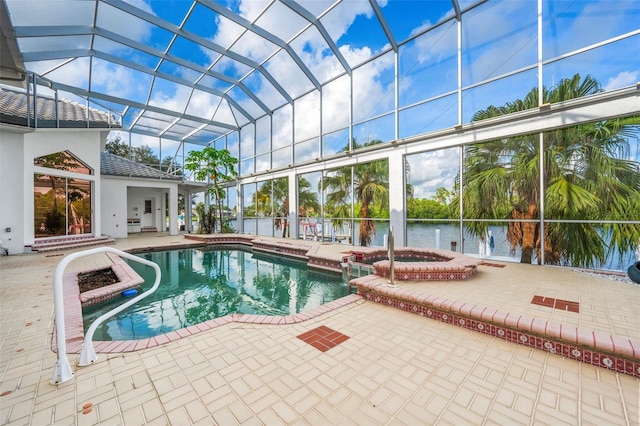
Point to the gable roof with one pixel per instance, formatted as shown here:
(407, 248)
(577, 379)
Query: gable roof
(113, 165)
(14, 109)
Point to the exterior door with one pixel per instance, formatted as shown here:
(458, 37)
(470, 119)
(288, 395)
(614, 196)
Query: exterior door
(147, 213)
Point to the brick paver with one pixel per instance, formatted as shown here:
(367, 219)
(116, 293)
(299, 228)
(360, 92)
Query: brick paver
(396, 367)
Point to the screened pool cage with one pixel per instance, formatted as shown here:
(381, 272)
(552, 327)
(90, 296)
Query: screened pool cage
(485, 127)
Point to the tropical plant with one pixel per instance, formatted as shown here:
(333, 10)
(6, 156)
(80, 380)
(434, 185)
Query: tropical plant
(369, 185)
(587, 175)
(273, 198)
(307, 199)
(216, 166)
(206, 218)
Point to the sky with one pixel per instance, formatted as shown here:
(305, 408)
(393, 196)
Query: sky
(498, 37)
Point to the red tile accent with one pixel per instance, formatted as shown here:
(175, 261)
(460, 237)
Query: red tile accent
(543, 301)
(566, 305)
(323, 338)
(550, 302)
(495, 265)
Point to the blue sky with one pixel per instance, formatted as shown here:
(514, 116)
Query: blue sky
(498, 37)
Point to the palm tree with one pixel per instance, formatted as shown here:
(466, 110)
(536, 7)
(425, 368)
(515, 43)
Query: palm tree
(586, 176)
(273, 196)
(369, 184)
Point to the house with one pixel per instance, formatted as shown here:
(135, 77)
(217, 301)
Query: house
(57, 186)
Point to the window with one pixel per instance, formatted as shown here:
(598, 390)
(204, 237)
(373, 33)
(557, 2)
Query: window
(63, 161)
(62, 204)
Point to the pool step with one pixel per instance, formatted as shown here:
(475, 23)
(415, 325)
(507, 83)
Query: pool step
(62, 243)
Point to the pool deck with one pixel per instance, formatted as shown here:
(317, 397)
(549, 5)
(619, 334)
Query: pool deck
(360, 363)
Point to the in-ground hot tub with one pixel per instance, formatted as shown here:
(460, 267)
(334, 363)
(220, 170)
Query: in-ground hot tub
(423, 264)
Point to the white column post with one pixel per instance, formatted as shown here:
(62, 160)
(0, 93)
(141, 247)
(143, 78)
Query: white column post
(397, 196)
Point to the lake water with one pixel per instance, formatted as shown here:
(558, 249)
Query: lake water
(445, 236)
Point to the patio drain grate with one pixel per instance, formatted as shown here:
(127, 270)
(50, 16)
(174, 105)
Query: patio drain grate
(550, 302)
(323, 338)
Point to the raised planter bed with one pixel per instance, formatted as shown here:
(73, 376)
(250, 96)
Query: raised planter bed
(127, 279)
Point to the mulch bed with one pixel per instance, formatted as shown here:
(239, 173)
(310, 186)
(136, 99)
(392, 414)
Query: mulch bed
(96, 279)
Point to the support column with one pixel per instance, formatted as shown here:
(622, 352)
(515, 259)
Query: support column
(293, 205)
(396, 197)
(173, 210)
(187, 213)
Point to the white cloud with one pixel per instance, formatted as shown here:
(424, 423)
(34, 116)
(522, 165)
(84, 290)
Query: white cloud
(432, 170)
(622, 79)
(74, 73)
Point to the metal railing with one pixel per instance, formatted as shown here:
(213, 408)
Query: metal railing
(62, 371)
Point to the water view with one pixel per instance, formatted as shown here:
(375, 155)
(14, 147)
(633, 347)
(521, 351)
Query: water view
(442, 235)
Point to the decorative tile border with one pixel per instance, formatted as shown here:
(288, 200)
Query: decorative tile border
(610, 352)
(289, 250)
(423, 271)
(67, 242)
(222, 238)
(438, 264)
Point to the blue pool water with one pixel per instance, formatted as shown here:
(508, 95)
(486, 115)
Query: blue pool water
(201, 284)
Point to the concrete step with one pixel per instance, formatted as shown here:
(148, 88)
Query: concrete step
(63, 244)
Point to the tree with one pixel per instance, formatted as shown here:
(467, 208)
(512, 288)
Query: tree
(273, 199)
(142, 154)
(587, 176)
(216, 166)
(423, 208)
(370, 187)
(273, 196)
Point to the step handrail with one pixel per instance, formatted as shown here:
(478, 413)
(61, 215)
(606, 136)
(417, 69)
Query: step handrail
(62, 371)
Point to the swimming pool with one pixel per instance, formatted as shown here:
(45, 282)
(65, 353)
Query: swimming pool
(202, 284)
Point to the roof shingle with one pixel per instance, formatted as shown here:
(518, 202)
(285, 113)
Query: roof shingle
(13, 110)
(113, 165)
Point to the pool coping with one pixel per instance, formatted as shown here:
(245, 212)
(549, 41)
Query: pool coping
(75, 343)
(593, 347)
(74, 324)
(620, 354)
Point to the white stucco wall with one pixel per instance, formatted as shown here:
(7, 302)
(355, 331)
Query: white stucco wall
(84, 144)
(12, 195)
(114, 202)
(18, 148)
(121, 197)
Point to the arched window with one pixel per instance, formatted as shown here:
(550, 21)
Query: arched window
(62, 202)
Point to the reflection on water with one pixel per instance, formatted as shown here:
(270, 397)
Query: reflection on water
(198, 285)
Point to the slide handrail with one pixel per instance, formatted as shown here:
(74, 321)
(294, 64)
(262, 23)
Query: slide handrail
(62, 371)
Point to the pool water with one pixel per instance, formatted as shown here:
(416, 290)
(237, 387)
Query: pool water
(202, 284)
